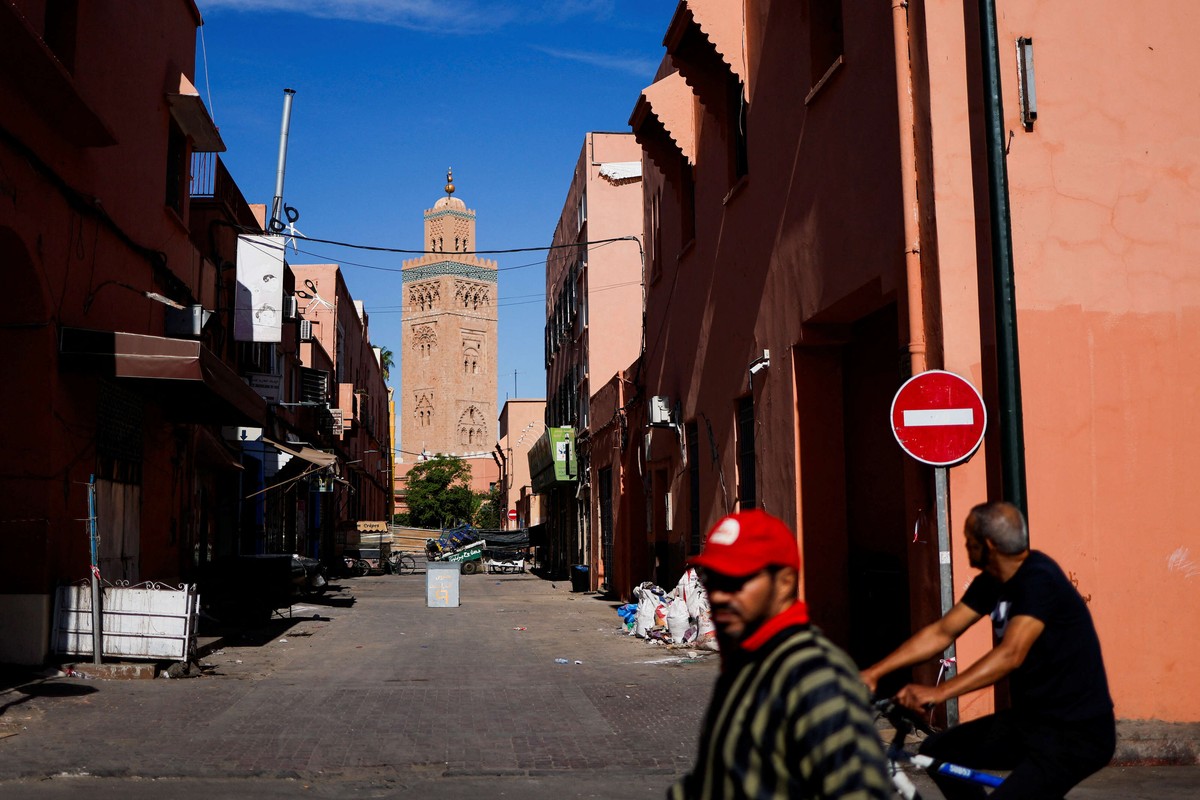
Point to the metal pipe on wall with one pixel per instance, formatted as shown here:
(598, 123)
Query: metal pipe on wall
(915, 281)
(908, 188)
(1008, 366)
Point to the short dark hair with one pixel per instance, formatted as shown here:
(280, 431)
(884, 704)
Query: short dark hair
(1002, 524)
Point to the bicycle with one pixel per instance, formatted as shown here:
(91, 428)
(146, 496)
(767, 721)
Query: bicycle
(401, 564)
(904, 724)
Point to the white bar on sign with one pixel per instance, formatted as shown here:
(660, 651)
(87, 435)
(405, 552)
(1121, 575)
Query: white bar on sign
(929, 417)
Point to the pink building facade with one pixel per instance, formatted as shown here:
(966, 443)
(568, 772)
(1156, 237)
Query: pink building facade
(593, 318)
(359, 422)
(521, 423)
(819, 227)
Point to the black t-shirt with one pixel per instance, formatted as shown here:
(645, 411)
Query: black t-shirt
(1063, 675)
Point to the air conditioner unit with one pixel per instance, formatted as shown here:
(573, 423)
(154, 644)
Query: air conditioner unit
(289, 307)
(306, 330)
(660, 410)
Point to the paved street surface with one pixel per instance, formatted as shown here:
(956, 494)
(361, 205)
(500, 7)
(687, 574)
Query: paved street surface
(390, 699)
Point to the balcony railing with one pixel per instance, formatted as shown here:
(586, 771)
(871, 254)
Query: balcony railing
(211, 181)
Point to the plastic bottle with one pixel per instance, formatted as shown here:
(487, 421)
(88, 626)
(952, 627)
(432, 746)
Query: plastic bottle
(561, 661)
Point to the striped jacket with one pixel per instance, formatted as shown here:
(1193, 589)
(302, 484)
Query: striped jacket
(788, 720)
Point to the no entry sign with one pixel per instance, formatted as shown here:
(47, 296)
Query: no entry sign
(512, 513)
(938, 418)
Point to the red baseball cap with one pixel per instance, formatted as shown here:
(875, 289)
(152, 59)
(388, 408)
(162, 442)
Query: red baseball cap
(742, 544)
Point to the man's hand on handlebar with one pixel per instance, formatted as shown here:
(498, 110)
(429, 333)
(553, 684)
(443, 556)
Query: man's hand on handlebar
(918, 698)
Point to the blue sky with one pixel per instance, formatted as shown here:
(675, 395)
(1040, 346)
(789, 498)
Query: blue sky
(389, 93)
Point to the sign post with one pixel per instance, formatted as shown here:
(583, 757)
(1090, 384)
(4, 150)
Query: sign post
(939, 419)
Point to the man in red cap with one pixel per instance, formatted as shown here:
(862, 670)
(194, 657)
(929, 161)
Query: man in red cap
(789, 717)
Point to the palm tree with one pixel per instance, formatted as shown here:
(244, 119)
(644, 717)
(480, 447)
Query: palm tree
(385, 361)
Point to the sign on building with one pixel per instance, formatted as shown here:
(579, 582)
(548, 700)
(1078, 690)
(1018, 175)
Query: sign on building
(258, 307)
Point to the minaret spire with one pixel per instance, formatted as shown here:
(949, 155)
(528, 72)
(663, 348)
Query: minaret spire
(449, 181)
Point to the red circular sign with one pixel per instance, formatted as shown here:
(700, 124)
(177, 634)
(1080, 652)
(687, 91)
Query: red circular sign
(512, 513)
(938, 418)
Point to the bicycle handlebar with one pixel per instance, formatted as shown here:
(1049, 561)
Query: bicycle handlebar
(900, 717)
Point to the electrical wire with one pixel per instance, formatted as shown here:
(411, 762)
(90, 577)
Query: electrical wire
(540, 248)
(591, 245)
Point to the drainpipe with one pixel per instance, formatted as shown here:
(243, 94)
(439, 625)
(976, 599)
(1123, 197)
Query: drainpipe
(908, 187)
(1008, 367)
(918, 355)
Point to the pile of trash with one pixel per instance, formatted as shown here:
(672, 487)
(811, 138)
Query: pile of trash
(681, 616)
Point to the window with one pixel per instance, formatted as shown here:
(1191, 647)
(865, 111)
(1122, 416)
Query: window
(654, 235)
(739, 158)
(687, 205)
(825, 44)
(745, 453)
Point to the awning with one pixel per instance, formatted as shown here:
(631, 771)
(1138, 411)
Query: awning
(303, 451)
(213, 450)
(183, 376)
(722, 24)
(617, 171)
(189, 112)
(665, 110)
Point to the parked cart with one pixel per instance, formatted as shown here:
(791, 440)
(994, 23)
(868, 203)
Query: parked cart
(462, 545)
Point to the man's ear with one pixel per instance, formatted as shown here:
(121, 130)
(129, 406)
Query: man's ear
(787, 584)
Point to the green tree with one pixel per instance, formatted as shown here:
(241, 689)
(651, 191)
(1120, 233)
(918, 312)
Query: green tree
(491, 508)
(439, 493)
(386, 361)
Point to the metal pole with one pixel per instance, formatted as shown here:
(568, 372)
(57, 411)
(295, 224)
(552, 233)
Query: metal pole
(275, 223)
(97, 612)
(946, 576)
(1008, 367)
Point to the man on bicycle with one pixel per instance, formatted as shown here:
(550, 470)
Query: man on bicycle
(1060, 728)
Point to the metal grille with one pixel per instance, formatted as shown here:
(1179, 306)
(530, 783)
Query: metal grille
(314, 385)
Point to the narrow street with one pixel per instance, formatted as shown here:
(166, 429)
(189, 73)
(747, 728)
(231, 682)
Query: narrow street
(388, 698)
(383, 698)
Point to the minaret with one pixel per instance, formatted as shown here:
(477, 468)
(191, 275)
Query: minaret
(448, 336)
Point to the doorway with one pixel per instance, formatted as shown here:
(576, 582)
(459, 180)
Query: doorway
(851, 494)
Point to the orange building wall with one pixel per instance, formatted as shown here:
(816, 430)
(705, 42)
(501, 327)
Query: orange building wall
(522, 421)
(806, 257)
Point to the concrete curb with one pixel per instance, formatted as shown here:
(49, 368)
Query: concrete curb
(1143, 743)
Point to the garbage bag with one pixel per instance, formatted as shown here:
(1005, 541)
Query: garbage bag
(677, 620)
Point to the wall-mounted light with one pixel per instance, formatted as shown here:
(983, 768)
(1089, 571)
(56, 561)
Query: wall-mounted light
(760, 363)
(1026, 87)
